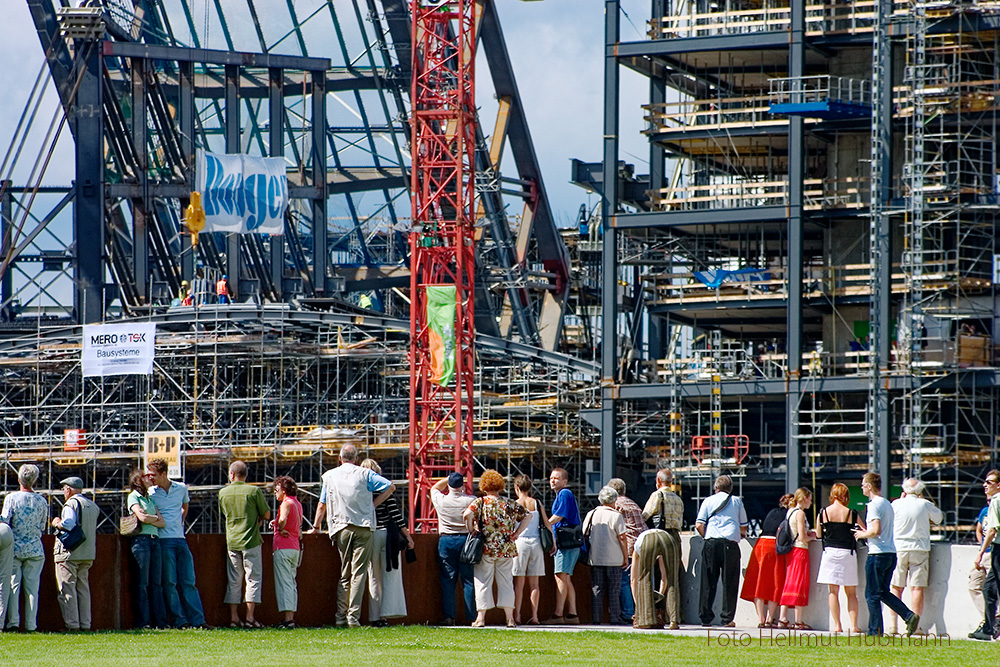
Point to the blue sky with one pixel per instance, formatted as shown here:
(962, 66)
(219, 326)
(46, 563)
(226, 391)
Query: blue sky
(556, 47)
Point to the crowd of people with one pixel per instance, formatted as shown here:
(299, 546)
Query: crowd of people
(898, 537)
(634, 552)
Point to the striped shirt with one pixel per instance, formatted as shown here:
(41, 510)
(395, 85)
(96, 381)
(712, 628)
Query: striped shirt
(634, 523)
(389, 510)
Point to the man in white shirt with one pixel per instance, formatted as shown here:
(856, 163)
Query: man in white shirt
(352, 493)
(450, 501)
(991, 590)
(914, 515)
(722, 521)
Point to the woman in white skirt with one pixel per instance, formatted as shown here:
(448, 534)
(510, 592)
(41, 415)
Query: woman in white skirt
(839, 565)
(529, 564)
(385, 572)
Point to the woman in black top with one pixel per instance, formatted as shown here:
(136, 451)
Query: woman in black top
(765, 576)
(385, 577)
(839, 565)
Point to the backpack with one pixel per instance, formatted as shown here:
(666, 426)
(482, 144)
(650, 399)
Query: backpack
(783, 540)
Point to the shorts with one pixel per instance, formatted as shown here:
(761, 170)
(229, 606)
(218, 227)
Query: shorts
(912, 568)
(530, 561)
(565, 560)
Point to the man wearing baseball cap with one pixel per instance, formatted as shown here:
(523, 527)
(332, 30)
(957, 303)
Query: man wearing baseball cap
(450, 501)
(73, 567)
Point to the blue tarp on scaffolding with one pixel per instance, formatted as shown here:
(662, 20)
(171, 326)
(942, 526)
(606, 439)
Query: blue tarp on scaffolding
(826, 109)
(715, 277)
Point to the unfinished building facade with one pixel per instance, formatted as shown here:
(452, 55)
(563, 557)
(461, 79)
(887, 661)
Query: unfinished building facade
(807, 272)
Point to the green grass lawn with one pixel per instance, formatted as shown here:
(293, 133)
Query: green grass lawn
(427, 646)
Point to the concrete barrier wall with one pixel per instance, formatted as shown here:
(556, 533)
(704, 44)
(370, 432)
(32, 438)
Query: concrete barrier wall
(112, 574)
(947, 609)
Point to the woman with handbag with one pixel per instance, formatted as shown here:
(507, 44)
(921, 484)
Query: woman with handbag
(607, 553)
(501, 522)
(150, 609)
(530, 561)
(385, 575)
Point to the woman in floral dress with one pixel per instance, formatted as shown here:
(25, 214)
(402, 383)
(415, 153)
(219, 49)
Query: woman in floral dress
(26, 513)
(501, 521)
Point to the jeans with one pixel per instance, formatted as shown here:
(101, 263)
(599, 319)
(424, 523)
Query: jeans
(878, 572)
(149, 607)
(449, 547)
(178, 571)
(628, 604)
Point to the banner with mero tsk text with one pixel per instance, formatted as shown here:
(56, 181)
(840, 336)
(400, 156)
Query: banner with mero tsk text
(118, 349)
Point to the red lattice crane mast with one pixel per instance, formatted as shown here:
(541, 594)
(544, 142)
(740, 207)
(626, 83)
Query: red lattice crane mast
(442, 249)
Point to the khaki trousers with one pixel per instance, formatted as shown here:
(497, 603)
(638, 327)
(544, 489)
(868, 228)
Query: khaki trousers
(246, 565)
(500, 570)
(73, 582)
(355, 546)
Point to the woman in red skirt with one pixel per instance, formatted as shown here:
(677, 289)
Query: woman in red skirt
(796, 592)
(765, 576)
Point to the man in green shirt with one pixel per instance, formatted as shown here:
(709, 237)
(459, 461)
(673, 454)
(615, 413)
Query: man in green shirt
(245, 510)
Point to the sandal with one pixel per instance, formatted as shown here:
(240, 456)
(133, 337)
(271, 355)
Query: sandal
(783, 625)
(802, 626)
(478, 624)
(534, 621)
(253, 625)
(511, 624)
(287, 625)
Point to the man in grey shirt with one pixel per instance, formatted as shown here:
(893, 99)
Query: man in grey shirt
(450, 500)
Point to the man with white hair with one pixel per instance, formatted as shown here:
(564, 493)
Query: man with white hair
(914, 515)
(352, 493)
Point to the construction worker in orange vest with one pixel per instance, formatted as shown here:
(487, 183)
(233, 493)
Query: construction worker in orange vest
(222, 289)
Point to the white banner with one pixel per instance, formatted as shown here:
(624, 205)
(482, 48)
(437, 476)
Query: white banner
(164, 445)
(241, 193)
(118, 349)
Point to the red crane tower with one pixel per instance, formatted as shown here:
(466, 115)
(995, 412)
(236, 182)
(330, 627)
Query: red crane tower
(442, 249)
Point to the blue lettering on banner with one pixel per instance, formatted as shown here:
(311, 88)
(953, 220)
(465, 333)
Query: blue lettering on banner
(255, 198)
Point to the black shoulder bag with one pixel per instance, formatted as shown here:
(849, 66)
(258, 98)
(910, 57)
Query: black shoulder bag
(472, 550)
(73, 537)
